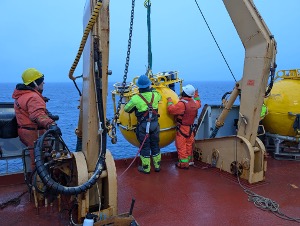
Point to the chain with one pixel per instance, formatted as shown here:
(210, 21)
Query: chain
(147, 3)
(117, 114)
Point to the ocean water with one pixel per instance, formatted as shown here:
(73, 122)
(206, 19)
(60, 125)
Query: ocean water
(64, 100)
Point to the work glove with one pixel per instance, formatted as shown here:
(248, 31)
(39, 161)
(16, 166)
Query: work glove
(196, 95)
(55, 128)
(169, 99)
(53, 117)
(46, 99)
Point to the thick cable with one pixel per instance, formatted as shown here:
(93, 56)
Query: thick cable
(54, 186)
(99, 94)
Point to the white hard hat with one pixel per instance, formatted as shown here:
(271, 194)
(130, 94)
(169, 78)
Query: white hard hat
(189, 90)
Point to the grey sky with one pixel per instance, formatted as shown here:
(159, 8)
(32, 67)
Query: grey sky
(46, 35)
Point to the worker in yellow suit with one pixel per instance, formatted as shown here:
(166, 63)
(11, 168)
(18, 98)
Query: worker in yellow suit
(145, 106)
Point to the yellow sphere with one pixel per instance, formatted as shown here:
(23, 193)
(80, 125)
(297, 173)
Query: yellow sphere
(284, 98)
(166, 121)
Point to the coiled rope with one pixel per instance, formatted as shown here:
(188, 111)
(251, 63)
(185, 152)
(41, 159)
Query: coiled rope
(266, 204)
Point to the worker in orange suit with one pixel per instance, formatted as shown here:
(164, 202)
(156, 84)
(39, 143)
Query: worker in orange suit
(185, 112)
(30, 107)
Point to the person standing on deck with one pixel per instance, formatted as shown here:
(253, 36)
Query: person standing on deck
(145, 105)
(30, 108)
(185, 112)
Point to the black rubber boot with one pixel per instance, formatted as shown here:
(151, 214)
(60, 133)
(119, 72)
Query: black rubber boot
(141, 169)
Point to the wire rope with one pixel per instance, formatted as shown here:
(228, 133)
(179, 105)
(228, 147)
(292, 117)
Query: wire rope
(215, 41)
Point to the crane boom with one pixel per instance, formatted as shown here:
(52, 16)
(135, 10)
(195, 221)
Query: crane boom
(243, 153)
(260, 53)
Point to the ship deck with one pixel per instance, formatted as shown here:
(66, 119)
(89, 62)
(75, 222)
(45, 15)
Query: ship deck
(198, 196)
(207, 196)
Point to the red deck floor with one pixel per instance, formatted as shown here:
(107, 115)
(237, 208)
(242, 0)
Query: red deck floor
(180, 197)
(207, 197)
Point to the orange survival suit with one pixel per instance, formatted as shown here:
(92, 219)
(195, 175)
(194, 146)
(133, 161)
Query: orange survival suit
(185, 112)
(32, 115)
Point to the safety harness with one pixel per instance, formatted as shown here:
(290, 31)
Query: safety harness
(296, 124)
(186, 119)
(150, 111)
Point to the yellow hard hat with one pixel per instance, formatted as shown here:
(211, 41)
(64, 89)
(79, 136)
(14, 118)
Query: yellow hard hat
(30, 75)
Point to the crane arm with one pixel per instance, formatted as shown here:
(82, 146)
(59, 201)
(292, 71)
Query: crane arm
(260, 55)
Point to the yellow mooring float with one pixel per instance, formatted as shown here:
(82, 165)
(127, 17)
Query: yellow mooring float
(284, 104)
(164, 83)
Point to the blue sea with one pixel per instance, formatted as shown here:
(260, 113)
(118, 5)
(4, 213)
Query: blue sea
(64, 100)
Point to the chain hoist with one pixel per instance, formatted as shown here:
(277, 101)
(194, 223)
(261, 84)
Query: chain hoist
(117, 114)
